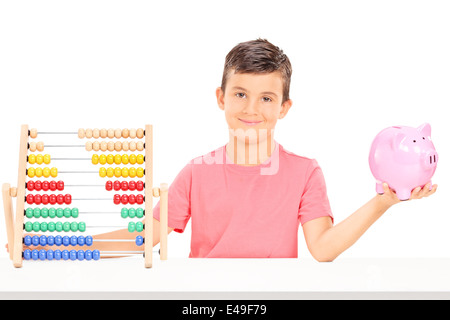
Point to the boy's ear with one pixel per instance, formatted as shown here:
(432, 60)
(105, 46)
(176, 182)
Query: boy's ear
(285, 108)
(220, 98)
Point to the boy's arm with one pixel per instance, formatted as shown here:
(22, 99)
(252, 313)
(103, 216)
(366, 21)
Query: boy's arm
(326, 242)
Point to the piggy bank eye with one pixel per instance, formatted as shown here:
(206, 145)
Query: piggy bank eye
(414, 141)
(423, 138)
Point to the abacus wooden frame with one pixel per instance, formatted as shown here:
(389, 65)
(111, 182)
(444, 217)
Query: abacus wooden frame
(14, 229)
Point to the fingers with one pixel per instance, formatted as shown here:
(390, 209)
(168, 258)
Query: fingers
(426, 191)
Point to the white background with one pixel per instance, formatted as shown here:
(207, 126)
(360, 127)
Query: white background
(359, 66)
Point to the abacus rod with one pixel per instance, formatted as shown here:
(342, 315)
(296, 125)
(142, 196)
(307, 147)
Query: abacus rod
(71, 159)
(65, 145)
(56, 132)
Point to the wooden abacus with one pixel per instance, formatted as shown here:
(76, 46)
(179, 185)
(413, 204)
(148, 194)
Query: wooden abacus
(143, 174)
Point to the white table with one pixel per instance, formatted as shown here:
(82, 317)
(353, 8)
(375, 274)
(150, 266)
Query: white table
(184, 278)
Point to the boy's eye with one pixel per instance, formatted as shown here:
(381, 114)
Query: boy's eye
(240, 95)
(266, 99)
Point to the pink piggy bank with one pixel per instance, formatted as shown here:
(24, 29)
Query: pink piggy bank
(404, 158)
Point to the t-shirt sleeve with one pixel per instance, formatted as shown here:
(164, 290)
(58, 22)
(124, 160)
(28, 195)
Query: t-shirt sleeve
(179, 207)
(314, 202)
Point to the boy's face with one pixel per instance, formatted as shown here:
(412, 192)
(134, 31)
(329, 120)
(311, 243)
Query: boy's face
(253, 101)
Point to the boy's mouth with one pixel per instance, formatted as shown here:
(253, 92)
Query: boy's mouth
(250, 122)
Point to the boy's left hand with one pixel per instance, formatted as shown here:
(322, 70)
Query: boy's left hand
(418, 193)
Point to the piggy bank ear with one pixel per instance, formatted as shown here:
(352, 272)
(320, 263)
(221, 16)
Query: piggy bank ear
(425, 129)
(398, 139)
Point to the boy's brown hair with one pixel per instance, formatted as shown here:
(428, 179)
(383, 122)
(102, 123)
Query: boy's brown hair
(258, 56)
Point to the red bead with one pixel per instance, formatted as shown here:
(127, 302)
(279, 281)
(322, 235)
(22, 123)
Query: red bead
(117, 185)
(108, 185)
(60, 185)
(124, 185)
(45, 185)
(117, 199)
(67, 199)
(30, 185)
(139, 199)
(52, 185)
(139, 185)
(132, 199)
(30, 199)
(45, 199)
(38, 186)
(52, 199)
(124, 199)
(132, 185)
(37, 199)
(60, 199)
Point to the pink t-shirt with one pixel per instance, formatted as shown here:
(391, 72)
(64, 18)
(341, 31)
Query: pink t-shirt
(246, 211)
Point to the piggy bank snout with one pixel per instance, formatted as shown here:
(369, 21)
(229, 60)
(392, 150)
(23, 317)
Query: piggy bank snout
(431, 159)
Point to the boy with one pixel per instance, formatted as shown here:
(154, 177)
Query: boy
(248, 198)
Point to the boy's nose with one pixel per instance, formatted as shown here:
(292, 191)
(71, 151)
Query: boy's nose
(251, 107)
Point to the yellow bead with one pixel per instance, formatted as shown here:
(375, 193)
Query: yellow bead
(124, 172)
(102, 159)
(117, 159)
(133, 159)
(39, 158)
(32, 159)
(110, 172)
(38, 172)
(54, 172)
(46, 172)
(47, 159)
(110, 159)
(102, 172)
(31, 172)
(132, 172)
(117, 172)
(140, 158)
(140, 172)
(125, 159)
(95, 159)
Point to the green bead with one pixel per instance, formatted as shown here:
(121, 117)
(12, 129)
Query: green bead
(51, 226)
(59, 226)
(74, 226)
(44, 212)
(132, 213)
(28, 226)
(139, 226)
(82, 226)
(67, 213)
(124, 213)
(29, 213)
(131, 227)
(37, 213)
(139, 212)
(52, 212)
(44, 226)
(59, 212)
(36, 226)
(66, 226)
(75, 213)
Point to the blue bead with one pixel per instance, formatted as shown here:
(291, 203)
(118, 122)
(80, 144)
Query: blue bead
(96, 254)
(50, 240)
(42, 254)
(35, 240)
(58, 240)
(73, 255)
(43, 241)
(66, 240)
(80, 255)
(139, 240)
(88, 255)
(81, 241)
(57, 254)
(89, 240)
(27, 240)
(35, 254)
(50, 254)
(65, 254)
(27, 254)
(73, 240)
